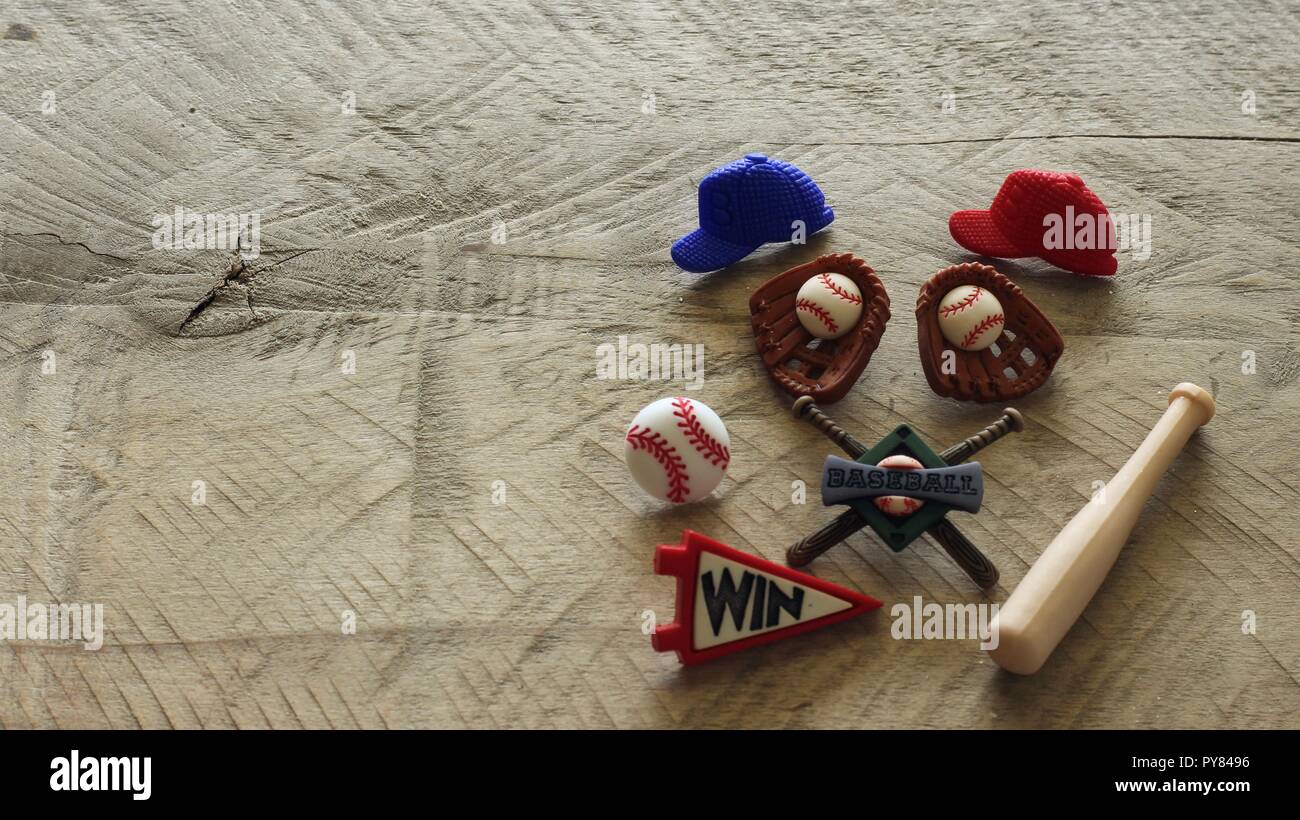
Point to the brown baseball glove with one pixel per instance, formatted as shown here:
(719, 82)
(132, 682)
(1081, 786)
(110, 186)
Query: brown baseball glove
(801, 364)
(1017, 363)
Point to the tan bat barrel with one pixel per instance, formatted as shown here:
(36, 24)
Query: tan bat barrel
(1063, 580)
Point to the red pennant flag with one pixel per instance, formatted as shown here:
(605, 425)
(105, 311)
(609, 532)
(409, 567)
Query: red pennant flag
(728, 600)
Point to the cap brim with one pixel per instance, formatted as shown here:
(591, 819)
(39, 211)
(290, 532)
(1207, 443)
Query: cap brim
(975, 231)
(698, 252)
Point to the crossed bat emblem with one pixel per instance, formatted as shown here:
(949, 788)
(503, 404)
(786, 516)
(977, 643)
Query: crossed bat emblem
(945, 482)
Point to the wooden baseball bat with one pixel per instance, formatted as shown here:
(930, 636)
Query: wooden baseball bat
(1063, 580)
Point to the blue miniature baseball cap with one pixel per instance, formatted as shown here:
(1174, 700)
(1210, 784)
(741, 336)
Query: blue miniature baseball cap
(746, 204)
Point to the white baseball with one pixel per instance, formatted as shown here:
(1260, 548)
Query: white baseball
(897, 504)
(829, 305)
(970, 317)
(677, 450)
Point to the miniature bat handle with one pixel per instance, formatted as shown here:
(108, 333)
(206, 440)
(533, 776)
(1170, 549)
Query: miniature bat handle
(1010, 422)
(805, 409)
(843, 525)
(965, 554)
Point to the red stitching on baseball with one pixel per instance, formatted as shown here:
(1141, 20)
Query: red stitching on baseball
(910, 505)
(839, 291)
(959, 306)
(664, 453)
(818, 311)
(703, 443)
(985, 323)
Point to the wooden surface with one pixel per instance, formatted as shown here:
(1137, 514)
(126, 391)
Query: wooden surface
(475, 362)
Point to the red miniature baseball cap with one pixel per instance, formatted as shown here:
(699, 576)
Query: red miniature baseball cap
(1047, 214)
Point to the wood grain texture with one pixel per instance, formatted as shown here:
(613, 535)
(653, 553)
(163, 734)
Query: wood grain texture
(475, 361)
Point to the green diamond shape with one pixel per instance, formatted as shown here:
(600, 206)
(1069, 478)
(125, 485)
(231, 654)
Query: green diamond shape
(899, 532)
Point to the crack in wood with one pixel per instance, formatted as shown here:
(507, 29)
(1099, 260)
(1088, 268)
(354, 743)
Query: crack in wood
(63, 241)
(237, 272)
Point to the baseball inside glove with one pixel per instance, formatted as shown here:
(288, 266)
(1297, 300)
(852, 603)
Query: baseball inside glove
(805, 366)
(1017, 363)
